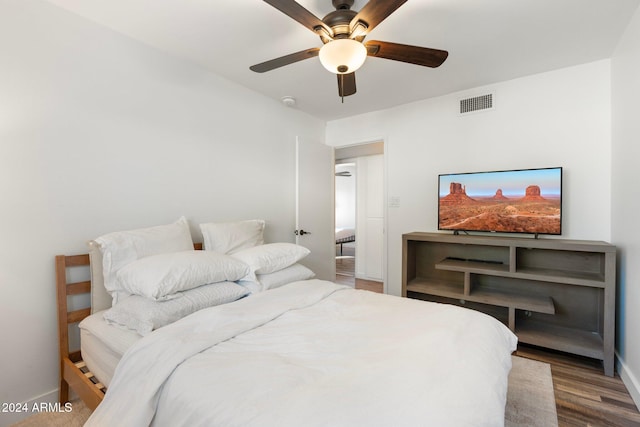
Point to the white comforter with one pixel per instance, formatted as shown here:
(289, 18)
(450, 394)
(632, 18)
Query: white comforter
(314, 353)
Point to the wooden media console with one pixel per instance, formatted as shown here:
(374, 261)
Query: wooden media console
(552, 293)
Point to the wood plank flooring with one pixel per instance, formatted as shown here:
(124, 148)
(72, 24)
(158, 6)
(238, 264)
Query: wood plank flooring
(345, 275)
(585, 397)
(345, 266)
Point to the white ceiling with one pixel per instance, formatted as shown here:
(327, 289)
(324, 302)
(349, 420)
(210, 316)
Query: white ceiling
(488, 41)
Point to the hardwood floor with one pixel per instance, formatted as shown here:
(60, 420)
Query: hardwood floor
(369, 285)
(345, 275)
(346, 266)
(584, 395)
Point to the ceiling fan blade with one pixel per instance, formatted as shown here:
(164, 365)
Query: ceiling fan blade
(375, 12)
(285, 60)
(346, 84)
(424, 56)
(298, 13)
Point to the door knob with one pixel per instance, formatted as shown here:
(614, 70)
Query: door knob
(301, 232)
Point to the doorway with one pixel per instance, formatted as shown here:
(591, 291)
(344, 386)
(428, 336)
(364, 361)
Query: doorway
(359, 216)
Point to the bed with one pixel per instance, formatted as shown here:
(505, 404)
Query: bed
(310, 352)
(345, 235)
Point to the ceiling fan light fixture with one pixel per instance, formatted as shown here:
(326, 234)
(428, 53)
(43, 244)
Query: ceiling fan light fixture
(342, 56)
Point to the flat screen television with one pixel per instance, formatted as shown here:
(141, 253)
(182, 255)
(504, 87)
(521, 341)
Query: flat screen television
(512, 201)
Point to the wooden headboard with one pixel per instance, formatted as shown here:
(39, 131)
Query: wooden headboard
(73, 371)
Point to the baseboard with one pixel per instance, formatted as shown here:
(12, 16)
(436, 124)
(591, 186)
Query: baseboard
(629, 380)
(9, 418)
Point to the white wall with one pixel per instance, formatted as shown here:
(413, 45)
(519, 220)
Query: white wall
(99, 133)
(625, 229)
(560, 118)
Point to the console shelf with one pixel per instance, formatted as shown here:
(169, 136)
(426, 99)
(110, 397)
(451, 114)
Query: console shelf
(558, 294)
(500, 298)
(570, 340)
(474, 266)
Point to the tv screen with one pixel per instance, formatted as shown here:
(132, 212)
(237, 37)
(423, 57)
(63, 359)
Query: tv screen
(515, 201)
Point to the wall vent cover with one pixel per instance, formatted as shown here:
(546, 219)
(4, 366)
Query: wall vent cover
(477, 103)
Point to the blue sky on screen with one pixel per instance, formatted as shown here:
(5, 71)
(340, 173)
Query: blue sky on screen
(512, 183)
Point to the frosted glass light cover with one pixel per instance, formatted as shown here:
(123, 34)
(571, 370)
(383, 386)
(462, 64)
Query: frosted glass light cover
(343, 56)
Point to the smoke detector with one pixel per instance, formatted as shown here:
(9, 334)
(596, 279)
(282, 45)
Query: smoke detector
(289, 101)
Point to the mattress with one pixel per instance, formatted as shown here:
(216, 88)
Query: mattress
(315, 353)
(103, 346)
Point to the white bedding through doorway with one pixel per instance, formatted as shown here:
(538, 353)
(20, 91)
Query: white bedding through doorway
(314, 353)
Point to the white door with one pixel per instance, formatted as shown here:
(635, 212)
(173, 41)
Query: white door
(315, 206)
(370, 218)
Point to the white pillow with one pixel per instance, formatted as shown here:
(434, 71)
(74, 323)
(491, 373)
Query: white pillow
(123, 247)
(264, 282)
(160, 276)
(289, 274)
(144, 315)
(230, 237)
(265, 259)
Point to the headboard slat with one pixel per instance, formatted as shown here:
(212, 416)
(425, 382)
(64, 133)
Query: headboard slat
(76, 260)
(79, 288)
(77, 315)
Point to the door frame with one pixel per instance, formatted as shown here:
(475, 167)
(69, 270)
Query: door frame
(360, 149)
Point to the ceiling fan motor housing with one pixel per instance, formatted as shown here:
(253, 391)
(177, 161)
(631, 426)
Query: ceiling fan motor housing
(340, 18)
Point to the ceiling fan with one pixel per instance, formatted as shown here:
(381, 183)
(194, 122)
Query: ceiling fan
(342, 33)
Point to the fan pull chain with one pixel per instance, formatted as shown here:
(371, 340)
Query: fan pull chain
(342, 86)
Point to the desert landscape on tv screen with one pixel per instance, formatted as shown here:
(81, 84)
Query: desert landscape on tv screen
(526, 201)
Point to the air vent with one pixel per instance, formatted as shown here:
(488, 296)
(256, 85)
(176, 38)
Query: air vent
(478, 103)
